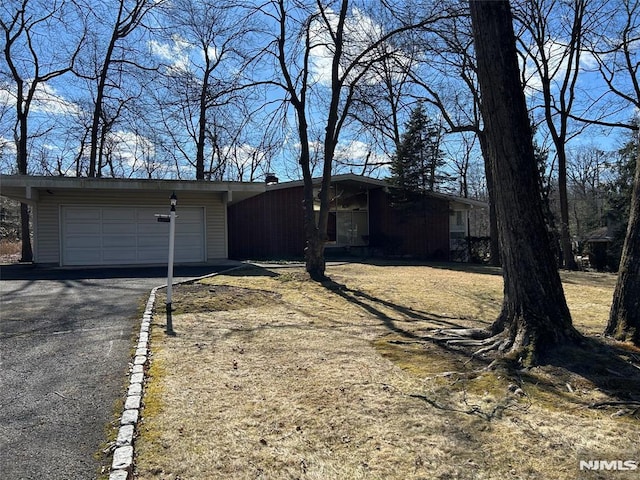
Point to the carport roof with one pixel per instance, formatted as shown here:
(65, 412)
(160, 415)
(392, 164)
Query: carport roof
(25, 188)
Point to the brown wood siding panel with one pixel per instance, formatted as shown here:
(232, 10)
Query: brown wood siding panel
(417, 232)
(48, 215)
(267, 226)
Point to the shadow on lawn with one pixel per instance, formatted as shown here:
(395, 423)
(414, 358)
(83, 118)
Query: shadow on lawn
(610, 367)
(375, 306)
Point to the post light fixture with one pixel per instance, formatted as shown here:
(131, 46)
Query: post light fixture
(172, 234)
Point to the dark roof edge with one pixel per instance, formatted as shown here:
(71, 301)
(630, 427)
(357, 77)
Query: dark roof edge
(376, 182)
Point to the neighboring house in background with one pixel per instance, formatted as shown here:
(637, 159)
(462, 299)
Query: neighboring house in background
(596, 246)
(105, 221)
(363, 220)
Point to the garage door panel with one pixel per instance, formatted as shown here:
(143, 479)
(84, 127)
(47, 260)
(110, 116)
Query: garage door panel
(117, 235)
(118, 215)
(187, 241)
(148, 215)
(119, 229)
(83, 256)
(155, 228)
(153, 255)
(83, 229)
(81, 214)
(118, 256)
(83, 241)
(153, 242)
(190, 229)
(119, 241)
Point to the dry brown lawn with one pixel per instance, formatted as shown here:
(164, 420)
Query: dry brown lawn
(10, 250)
(273, 376)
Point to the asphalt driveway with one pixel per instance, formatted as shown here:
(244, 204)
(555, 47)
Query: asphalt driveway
(65, 342)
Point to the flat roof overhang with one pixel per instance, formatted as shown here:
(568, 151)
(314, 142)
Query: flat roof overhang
(361, 181)
(26, 188)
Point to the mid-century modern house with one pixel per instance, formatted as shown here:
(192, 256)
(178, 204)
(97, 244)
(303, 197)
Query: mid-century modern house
(364, 219)
(102, 221)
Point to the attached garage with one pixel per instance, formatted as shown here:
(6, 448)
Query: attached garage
(117, 235)
(98, 221)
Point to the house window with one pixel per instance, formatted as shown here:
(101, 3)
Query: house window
(459, 219)
(348, 223)
(352, 228)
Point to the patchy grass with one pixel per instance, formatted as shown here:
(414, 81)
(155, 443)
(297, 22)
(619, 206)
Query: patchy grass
(273, 376)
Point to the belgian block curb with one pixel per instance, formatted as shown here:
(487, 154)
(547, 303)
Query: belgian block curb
(122, 463)
(123, 456)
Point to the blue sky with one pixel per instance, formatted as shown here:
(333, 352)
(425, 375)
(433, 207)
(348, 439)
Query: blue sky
(62, 105)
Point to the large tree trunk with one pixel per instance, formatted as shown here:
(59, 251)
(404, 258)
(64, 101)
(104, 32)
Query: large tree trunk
(22, 114)
(25, 236)
(494, 243)
(315, 236)
(534, 316)
(624, 318)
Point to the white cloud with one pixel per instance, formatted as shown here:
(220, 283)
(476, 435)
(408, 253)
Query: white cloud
(176, 53)
(360, 31)
(132, 149)
(556, 53)
(354, 151)
(46, 100)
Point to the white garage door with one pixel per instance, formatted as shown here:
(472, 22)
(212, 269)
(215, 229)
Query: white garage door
(123, 235)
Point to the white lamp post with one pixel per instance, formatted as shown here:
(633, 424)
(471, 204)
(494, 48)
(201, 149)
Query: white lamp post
(172, 234)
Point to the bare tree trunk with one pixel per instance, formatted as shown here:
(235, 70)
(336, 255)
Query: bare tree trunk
(126, 22)
(494, 243)
(624, 318)
(568, 260)
(22, 115)
(202, 127)
(534, 315)
(27, 251)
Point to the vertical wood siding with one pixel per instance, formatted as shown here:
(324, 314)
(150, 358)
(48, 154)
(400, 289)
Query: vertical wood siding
(420, 231)
(268, 226)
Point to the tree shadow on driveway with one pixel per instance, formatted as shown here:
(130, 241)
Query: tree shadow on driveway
(33, 272)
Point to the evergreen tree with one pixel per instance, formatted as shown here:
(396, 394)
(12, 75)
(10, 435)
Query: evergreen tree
(546, 189)
(619, 200)
(418, 162)
(624, 317)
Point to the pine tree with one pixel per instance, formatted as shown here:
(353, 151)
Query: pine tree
(624, 318)
(417, 165)
(619, 199)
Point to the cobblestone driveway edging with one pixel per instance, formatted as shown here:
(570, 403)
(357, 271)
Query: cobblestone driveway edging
(122, 464)
(123, 455)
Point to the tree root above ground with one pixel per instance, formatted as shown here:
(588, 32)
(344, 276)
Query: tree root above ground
(473, 337)
(596, 365)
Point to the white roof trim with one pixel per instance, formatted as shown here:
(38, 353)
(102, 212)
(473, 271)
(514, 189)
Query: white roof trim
(19, 186)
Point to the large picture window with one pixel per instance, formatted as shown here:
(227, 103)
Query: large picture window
(348, 223)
